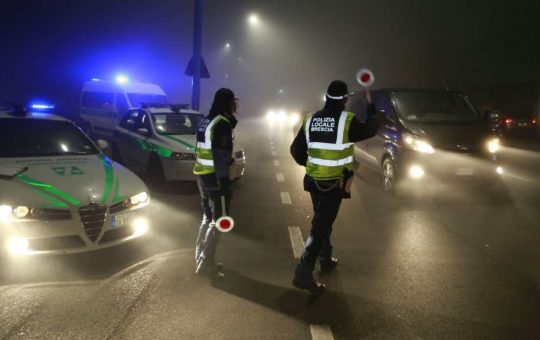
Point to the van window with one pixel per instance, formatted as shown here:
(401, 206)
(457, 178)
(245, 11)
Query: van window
(138, 99)
(121, 103)
(98, 100)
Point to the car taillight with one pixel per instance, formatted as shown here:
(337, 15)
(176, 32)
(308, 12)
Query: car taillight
(533, 121)
(508, 121)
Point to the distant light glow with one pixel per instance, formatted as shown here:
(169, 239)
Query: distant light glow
(294, 118)
(121, 79)
(280, 91)
(253, 19)
(227, 45)
(282, 115)
(64, 147)
(96, 79)
(499, 170)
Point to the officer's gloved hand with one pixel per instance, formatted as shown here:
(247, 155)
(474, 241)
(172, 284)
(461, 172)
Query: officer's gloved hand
(224, 185)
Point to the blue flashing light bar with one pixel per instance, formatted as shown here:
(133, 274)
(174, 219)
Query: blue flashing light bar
(121, 79)
(42, 107)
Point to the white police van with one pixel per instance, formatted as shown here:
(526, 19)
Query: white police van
(59, 193)
(103, 103)
(160, 141)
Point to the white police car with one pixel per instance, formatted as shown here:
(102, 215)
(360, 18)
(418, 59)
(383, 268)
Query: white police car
(59, 193)
(160, 141)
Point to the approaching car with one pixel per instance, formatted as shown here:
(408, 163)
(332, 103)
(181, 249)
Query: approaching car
(160, 141)
(428, 134)
(59, 193)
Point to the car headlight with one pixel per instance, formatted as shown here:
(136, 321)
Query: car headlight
(7, 212)
(140, 198)
(417, 144)
(493, 145)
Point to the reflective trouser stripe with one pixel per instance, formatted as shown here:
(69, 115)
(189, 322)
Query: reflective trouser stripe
(205, 162)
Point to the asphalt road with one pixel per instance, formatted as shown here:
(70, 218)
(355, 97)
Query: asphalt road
(459, 265)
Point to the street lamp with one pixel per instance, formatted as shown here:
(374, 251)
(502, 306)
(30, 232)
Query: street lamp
(227, 45)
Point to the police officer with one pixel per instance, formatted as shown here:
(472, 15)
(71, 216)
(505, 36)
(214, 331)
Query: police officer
(214, 156)
(324, 145)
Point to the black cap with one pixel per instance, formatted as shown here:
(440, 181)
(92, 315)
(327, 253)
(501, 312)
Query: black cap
(224, 95)
(337, 90)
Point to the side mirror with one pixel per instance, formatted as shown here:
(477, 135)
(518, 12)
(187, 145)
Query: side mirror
(102, 144)
(143, 131)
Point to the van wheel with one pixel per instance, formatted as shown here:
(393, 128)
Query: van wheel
(116, 154)
(155, 171)
(389, 175)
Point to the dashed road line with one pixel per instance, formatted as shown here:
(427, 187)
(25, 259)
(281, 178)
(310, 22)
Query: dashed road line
(280, 177)
(276, 162)
(321, 332)
(297, 241)
(286, 198)
(274, 153)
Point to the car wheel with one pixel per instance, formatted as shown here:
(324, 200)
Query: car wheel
(388, 175)
(116, 154)
(155, 170)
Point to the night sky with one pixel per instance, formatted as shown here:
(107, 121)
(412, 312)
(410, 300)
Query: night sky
(49, 48)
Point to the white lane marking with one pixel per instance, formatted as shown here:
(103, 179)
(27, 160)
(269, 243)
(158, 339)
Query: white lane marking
(276, 162)
(321, 332)
(274, 153)
(285, 198)
(280, 177)
(297, 241)
(271, 142)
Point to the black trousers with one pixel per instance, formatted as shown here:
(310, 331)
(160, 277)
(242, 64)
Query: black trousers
(208, 237)
(318, 245)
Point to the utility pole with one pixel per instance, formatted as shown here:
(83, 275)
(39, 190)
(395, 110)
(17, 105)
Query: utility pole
(197, 55)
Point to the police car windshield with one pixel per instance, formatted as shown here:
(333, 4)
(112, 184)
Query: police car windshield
(138, 99)
(434, 107)
(42, 138)
(176, 123)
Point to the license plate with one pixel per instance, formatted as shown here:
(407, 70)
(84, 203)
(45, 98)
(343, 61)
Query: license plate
(522, 124)
(464, 171)
(122, 220)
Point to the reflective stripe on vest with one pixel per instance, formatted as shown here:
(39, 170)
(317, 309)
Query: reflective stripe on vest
(328, 160)
(204, 163)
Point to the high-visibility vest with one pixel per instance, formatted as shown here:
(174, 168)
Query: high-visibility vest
(204, 163)
(328, 160)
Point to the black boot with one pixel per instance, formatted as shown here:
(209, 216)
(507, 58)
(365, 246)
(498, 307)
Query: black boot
(328, 265)
(210, 270)
(303, 279)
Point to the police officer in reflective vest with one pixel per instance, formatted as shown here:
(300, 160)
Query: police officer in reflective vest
(324, 145)
(213, 158)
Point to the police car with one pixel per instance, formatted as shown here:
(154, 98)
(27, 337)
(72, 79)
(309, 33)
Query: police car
(160, 141)
(59, 193)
